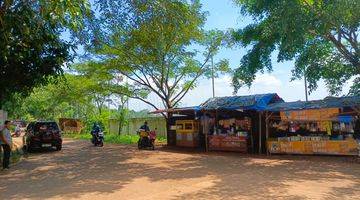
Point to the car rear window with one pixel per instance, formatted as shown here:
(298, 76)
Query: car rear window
(46, 126)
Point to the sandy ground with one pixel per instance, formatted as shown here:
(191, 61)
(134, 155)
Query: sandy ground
(81, 171)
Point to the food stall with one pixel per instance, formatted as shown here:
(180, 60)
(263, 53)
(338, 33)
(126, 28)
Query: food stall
(233, 122)
(328, 126)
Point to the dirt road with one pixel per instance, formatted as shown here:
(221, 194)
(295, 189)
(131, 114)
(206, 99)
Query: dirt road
(81, 171)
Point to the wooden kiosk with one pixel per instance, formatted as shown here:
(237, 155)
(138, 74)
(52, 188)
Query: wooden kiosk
(187, 132)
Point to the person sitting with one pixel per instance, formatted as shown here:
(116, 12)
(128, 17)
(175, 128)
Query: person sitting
(145, 127)
(95, 130)
(152, 135)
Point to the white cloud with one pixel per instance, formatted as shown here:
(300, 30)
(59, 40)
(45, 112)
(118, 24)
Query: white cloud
(267, 80)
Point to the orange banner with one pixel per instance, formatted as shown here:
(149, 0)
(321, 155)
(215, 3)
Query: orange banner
(331, 147)
(325, 114)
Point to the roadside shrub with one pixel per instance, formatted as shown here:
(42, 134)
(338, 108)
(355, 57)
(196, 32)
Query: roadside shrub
(113, 138)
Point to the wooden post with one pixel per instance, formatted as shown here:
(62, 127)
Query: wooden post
(206, 139)
(216, 122)
(267, 131)
(259, 132)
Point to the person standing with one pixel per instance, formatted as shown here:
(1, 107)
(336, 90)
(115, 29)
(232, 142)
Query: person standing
(6, 142)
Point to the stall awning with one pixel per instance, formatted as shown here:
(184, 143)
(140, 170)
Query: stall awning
(329, 102)
(249, 102)
(175, 110)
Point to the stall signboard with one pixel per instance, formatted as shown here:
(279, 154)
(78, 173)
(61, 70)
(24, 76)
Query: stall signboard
(330, 147)
(228, 143)
(310, 115)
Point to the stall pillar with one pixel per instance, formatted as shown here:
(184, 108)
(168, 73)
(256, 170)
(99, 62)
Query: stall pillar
(267, 130)
(260, 133)
(170, 133)
(206, 140)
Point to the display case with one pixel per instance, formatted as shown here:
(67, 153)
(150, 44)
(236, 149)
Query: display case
(187, 132)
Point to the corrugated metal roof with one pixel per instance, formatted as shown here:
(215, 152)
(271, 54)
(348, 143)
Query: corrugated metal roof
(249, 102)
(329, 102)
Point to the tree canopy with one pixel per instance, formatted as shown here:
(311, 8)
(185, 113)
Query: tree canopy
(152, 44)
(322, 37)
(30, 46)
(73, 96)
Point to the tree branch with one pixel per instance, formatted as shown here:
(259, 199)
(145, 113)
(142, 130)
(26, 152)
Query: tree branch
(345, 52)
(179, 96)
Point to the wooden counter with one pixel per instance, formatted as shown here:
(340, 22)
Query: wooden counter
(227, 143)
(327, 147)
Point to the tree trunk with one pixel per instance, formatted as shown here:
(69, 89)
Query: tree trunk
(170, 134)
(120, 127)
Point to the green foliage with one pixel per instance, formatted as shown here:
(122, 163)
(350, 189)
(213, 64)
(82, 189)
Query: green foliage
(322, 37)
(355, 89)
(148, 42)
(30, 47)
(121, 139)
(69, 97)
(114, 138)
(83, 136)
(74, 96)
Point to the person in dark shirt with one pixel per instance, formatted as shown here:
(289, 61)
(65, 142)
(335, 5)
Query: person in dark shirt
(357, 128)
(145, 127)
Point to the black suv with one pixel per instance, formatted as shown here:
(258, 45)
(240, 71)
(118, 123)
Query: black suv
(43, 134)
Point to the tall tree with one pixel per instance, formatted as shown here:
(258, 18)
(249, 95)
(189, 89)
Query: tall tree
(105, 86)
(30, 46)
(322, 37)
(151, 43)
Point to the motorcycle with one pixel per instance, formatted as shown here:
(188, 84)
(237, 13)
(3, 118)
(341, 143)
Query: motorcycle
(146, 140)
(98, 138)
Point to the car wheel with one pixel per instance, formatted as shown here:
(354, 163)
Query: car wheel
(58, 147)
(25, 149)
(29, 147)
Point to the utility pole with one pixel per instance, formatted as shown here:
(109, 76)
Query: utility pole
(212, 76)
(306, 89)
(127, 111)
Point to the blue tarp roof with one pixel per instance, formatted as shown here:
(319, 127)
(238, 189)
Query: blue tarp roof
(249, 102)
(329, 102)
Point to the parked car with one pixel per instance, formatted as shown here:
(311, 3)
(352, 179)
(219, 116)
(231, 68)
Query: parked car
(43, 134)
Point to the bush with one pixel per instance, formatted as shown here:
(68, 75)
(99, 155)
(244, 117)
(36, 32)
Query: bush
(114, 138)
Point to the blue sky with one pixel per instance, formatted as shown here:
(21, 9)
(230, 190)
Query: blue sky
(223, 14)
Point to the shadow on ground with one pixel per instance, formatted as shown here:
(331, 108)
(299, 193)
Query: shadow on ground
(122, 172)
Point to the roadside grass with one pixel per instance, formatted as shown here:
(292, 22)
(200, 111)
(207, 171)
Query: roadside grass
(15, 156)
(114, 138)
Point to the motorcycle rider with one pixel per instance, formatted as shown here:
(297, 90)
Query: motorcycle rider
(146, 140)
(145, 127)
(95, 130)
